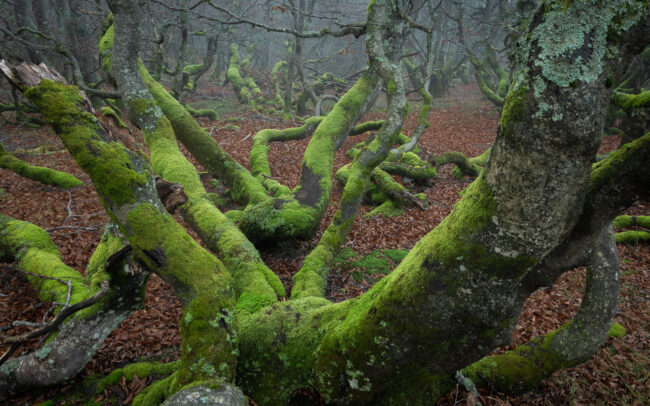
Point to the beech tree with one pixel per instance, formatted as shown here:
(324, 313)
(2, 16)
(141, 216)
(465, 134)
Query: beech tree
(539, 208)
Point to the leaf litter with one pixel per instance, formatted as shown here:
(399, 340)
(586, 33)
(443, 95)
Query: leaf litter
(462, 121)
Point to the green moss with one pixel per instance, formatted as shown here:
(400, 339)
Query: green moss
(442, 260)
(37, 173)
(279, 75)
(234, 76)
(278, 347)
(632, 221)
(109, 112)
(193, 69)
(157, 392)
(616, 330)
(514, 109)
(409, 158)
(209, 113)
(375, 264)
(519, 370)
(391, 87)
(632, 237)
(108, 163)
(259, 151)
(244, 187)
(105, 47)
(110, 243)
(97, 384)
(33, 250)
(629, 102)
(427, 105)
(387, 209)
(603, 171)
(203, 286)
(485, 85)
(319, 156)
(255, 284)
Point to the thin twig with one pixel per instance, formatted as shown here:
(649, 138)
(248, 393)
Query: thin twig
(69, 207)
(15, 341)
(74, 228)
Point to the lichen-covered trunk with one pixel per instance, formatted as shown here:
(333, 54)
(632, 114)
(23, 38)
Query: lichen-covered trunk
(420, 321)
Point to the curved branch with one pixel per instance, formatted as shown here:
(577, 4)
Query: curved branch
(523, 368)
(357, 30)
(319, 104)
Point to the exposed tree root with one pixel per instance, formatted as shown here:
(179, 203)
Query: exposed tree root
(523, 368)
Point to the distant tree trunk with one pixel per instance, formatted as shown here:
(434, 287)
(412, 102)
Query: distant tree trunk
(181, 59)
(83, 42)
(23, 16)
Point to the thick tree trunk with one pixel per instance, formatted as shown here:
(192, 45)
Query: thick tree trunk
(422, 315)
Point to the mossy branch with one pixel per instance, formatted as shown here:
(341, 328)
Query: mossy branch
(111, 290)
(259, 152)
(255, 284)
(38, 173)
(33, 250)
(629, 102)
(97, 383)
(125, 184)
(245, 188)
(632, 237)
(464, 166)
(523, 368)
(632, 222)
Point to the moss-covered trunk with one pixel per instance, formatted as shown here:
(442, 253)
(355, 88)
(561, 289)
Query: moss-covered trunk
(125, 184)
(422, 317)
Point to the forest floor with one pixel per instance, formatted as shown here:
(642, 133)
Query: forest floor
(462, 121)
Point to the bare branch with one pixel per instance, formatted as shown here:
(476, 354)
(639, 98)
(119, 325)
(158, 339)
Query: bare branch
(356, 29)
